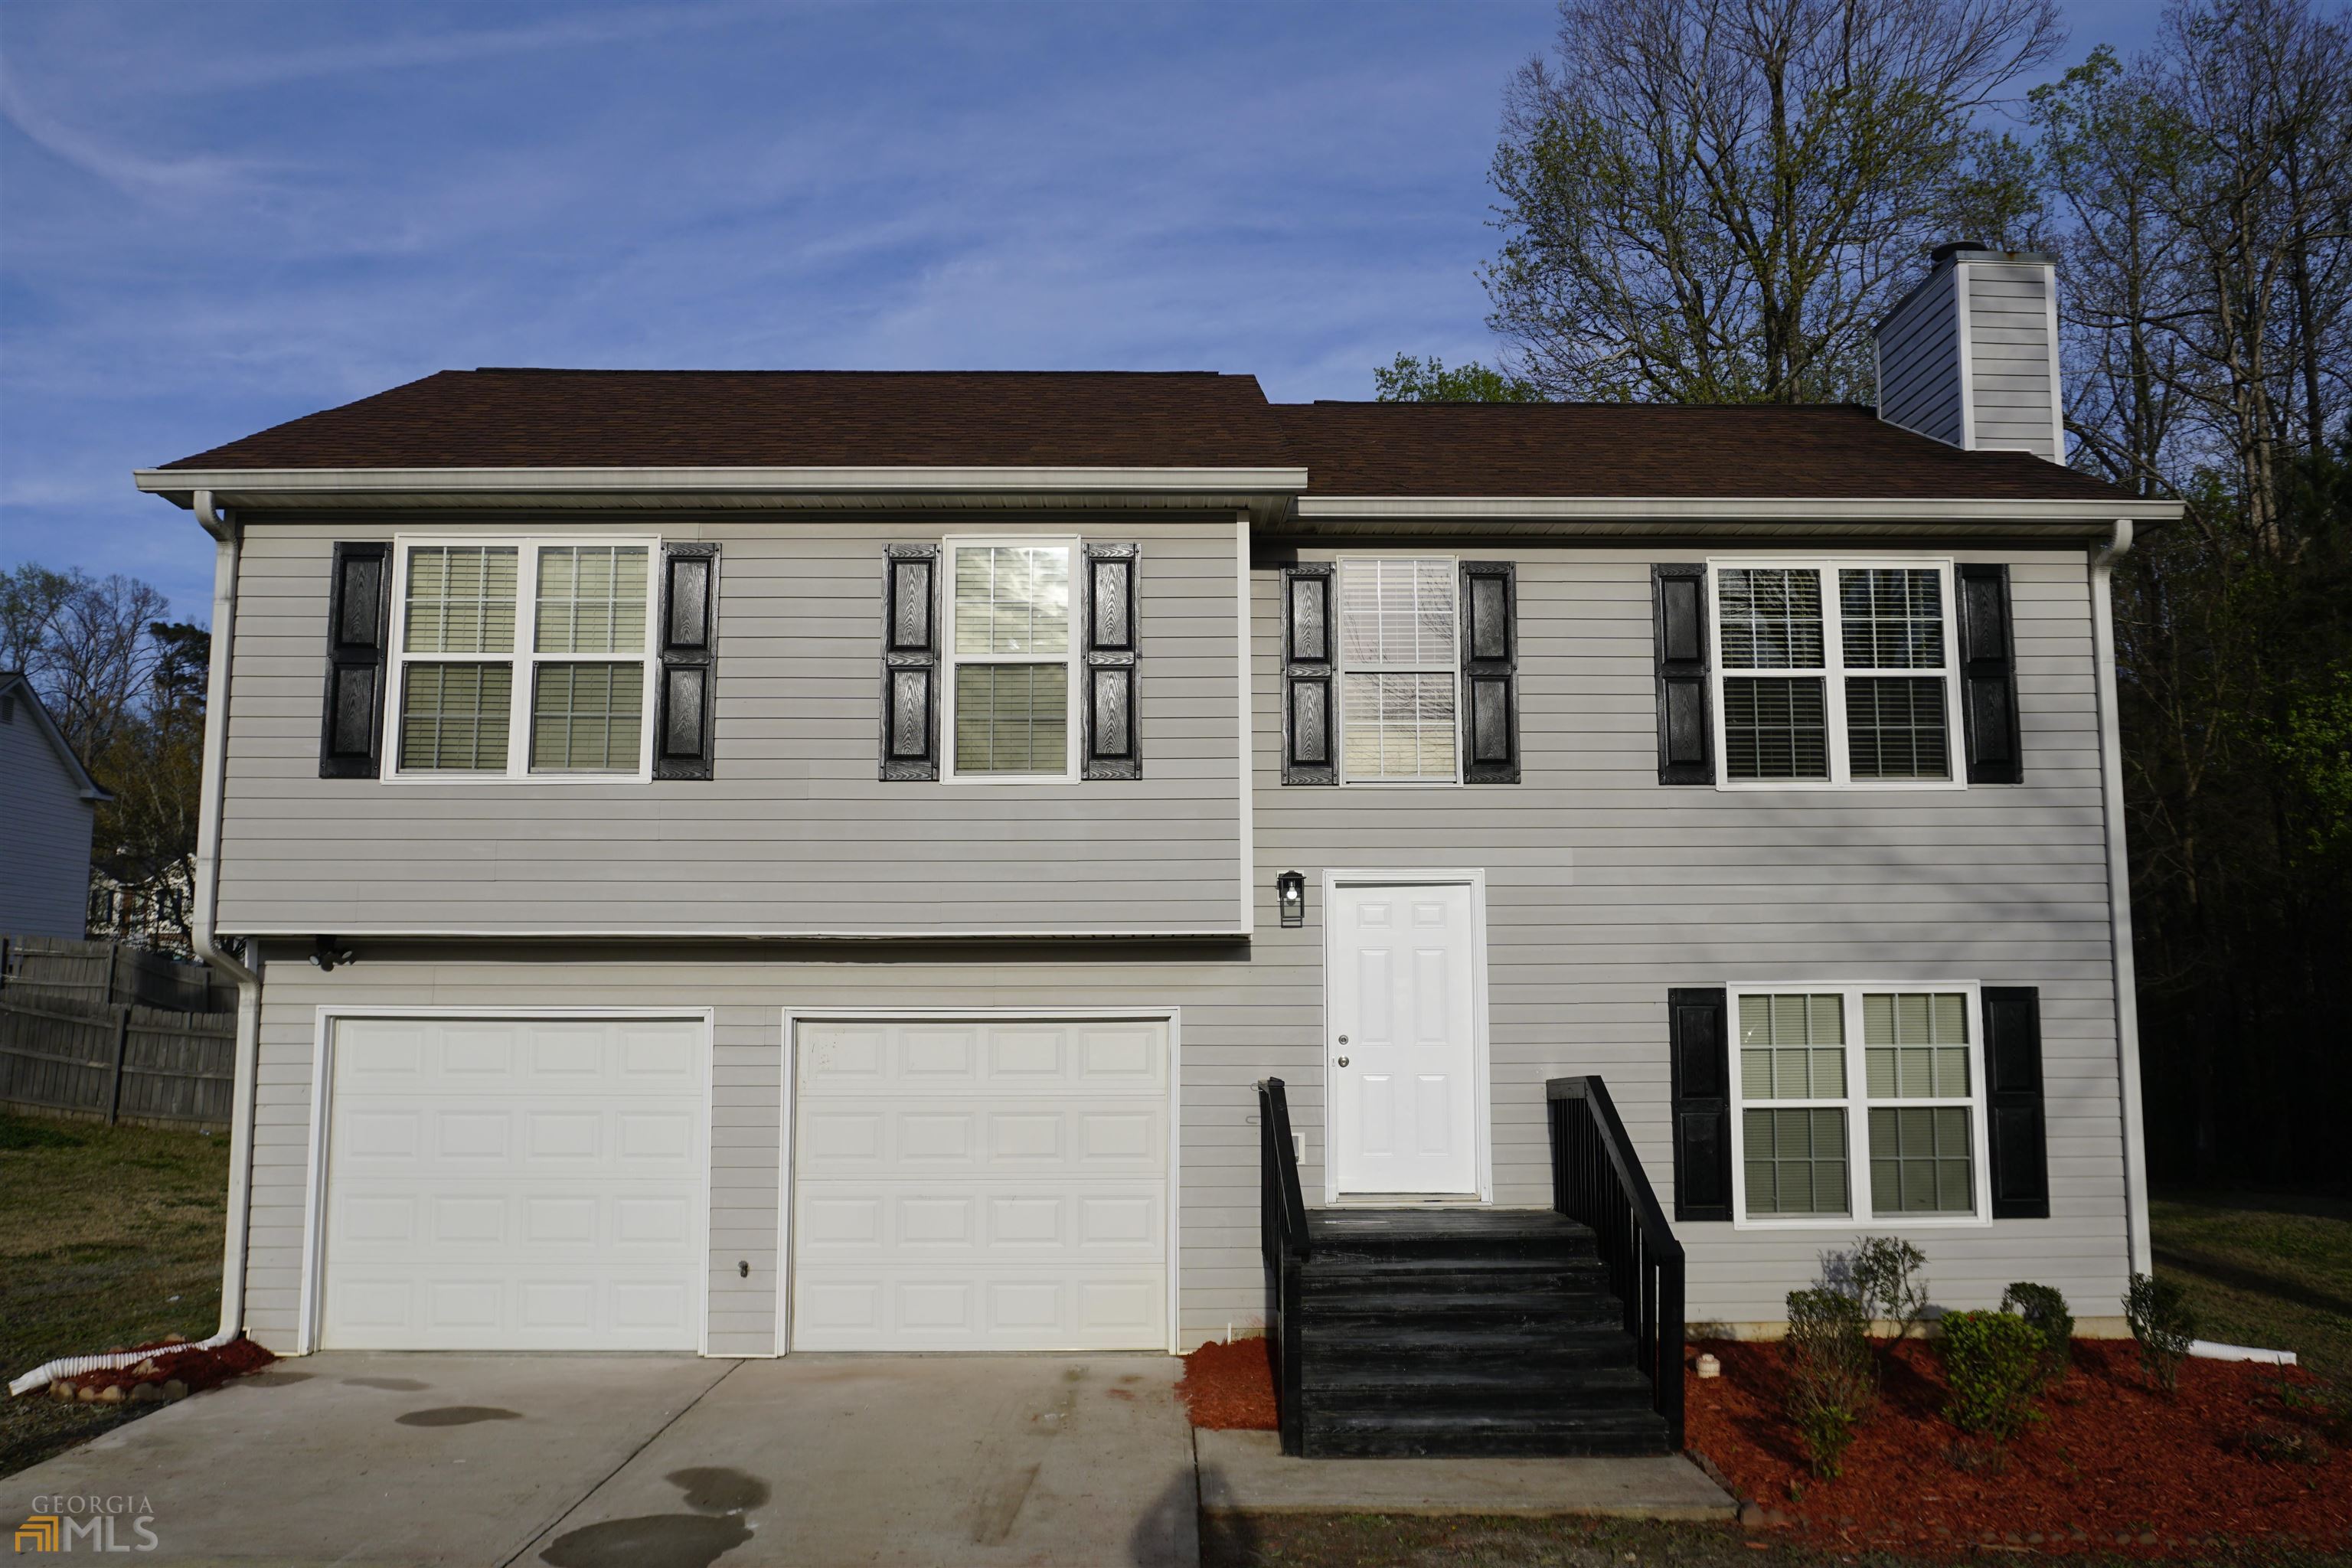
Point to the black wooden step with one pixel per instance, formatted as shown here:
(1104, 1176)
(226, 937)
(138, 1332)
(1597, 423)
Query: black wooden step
(1426, 1434)
(1456, 1233)
(1599, 1372)
(1470, 1276)
(1447, 1313)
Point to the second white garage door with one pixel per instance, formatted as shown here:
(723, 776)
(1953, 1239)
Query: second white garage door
(980, 1185)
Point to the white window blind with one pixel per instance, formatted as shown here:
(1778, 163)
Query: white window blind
(1010, 650)
(1399, 654)
(490, 645)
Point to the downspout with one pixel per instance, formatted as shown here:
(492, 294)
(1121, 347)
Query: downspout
(2119, 927)
(226, 530)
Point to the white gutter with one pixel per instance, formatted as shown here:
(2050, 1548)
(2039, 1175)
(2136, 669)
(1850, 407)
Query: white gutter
(223, 529)
(722, 481)
(2084, 516)
(2125, 979)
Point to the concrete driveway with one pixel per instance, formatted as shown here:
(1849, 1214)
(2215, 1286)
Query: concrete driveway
(650, 1462)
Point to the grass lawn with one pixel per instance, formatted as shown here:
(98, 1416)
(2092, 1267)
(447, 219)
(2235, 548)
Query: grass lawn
(2263, 1270)
(108, 1236)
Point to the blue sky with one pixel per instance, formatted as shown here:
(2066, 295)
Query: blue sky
(216, 216)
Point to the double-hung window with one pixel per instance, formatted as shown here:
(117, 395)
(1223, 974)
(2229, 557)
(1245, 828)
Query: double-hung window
(521, 658)
(1011, 688)
(1836, 673)
(1859, 1103)
(1399, 669)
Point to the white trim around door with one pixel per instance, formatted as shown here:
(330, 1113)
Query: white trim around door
(787, 1119)
(314, 1187)
(1481, 1076)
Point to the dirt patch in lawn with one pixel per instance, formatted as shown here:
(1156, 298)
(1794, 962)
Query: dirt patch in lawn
(1229, 1388)
(2115, 1465)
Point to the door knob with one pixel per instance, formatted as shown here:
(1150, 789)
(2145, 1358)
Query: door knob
(1343, 1061)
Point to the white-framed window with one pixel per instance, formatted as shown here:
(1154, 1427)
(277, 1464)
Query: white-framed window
(1835, 672)
(1399, 671)
(521, 658)
(1012, 650)
(1858, 1104)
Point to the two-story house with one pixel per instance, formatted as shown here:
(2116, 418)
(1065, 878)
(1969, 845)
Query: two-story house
(746, 862)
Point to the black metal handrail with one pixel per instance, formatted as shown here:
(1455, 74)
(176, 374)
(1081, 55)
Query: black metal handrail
(1282, 1237)
(1598, 1180)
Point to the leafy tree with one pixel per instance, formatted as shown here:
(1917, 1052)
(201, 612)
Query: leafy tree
(1709, 201)
(1415, 380)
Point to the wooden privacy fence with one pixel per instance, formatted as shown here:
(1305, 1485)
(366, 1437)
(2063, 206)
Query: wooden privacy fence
(114, 1061)
(109, 971)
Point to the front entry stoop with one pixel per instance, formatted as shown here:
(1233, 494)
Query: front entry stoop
(1247, 1472)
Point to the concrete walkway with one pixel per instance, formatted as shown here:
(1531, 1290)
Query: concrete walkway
(1245, 1472)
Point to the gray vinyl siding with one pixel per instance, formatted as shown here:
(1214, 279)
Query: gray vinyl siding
(795, 833)
(2012, 378)
(45, 828)
(1604, 890)
(1919, 363)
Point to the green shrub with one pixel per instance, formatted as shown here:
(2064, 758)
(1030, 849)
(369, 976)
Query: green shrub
(1886, 1276)
(1993, 1362)
(2161, 1321)
(2044, 1310)
(1832, 1378)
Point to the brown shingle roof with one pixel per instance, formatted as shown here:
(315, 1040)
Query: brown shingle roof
(662, 418)
(1832, 451)
(591, 418)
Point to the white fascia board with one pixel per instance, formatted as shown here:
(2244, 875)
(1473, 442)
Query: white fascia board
(297, 482)
(1670, 514)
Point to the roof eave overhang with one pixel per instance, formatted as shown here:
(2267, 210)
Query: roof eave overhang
(1688, 516)
(1266, 493)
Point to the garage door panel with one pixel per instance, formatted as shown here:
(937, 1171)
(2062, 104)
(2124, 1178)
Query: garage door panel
(502, 1183)
(980, 1185)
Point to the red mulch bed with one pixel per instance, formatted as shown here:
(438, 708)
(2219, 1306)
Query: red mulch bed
(1230, 1388)
(2117, 1465)
(199, 1370)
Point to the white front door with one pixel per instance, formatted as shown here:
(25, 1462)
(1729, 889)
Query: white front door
(1402, 982)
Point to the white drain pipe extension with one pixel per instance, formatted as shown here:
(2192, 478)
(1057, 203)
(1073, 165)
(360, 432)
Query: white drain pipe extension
(225, 530)
(2125, 981)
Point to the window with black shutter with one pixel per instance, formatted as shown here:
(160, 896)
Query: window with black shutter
(1989, 675)
(910, 663)
(351, 734)
(1310, 732)
(1700, 1068)
(1490, 682)
(1114, 751)
(683, 747)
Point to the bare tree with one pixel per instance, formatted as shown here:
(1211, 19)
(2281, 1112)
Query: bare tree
(84, 644)
(1716, 200)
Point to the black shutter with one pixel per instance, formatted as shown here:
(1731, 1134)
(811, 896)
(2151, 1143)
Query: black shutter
(1113, 749)
(1490, 682)
(1989, 677)
(1310, 729)
(1685, 731)
(2012, 1052)
(351, 730)
(1698, 1038)
(910, 662)
(689, 648)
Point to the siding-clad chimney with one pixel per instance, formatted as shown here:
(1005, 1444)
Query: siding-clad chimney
(1970, 356)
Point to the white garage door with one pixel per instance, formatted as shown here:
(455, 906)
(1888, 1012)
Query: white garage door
(980, 1185)
(515, 1184)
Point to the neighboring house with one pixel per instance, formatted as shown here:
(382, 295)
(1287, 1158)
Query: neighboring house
(755, 861)
(49, 804)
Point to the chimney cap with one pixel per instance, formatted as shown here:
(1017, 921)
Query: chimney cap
(1967, 248)
(1944, 252)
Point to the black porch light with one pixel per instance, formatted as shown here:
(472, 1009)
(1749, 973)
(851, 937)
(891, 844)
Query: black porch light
(1290, 893)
